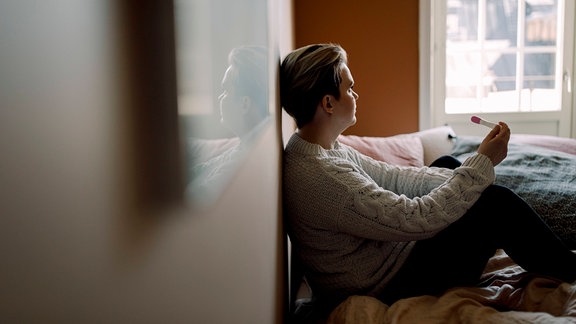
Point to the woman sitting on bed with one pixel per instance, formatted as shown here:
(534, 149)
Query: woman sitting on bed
(364, 227)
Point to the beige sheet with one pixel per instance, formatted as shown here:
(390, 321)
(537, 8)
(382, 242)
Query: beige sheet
(507, 295)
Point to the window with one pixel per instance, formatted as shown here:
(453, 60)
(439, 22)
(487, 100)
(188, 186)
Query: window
(507, 60)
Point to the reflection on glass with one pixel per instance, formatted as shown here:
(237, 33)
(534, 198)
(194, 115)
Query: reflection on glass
(223, 77)
(243, 111)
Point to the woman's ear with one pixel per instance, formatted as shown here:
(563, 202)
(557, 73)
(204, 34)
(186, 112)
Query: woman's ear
(246, 104)
(327, 102)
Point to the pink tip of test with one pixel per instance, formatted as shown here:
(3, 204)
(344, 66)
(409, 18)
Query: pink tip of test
(480, 121)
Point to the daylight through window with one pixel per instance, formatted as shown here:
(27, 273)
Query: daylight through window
(503, 56)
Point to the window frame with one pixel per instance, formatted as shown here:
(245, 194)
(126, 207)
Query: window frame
(432, 81)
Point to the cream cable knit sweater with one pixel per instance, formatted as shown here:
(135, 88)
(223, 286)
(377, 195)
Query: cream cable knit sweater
(353, 220)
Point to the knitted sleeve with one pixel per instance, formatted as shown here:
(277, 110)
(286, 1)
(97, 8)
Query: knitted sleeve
(407, 180)
(378, 209)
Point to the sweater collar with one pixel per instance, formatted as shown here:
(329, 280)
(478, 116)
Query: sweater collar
(300, 145)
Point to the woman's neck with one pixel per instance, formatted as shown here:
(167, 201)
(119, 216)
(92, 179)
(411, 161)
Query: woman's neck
(317, 136)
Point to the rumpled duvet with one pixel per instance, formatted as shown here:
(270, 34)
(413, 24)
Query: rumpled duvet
(507, 294)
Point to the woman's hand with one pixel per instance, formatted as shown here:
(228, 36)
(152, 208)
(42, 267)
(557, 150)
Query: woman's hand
(495, 144)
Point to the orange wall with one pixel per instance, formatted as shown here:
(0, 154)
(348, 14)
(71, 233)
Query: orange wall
(381, 38)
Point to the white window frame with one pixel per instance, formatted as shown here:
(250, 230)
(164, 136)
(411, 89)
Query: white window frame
(432, 81)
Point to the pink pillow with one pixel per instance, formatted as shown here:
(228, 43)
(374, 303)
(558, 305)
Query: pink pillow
(398, 150)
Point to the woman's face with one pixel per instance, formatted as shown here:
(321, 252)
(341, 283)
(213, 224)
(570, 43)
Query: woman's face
(345, 107)
(231, 104)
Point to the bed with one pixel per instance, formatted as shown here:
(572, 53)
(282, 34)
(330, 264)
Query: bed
(542, 170)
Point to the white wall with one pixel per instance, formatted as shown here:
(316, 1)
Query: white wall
(73, 247)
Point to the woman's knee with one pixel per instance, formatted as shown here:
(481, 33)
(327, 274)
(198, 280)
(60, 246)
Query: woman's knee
(494, 201)
(501, 204)
(498, 193)
(446, 161)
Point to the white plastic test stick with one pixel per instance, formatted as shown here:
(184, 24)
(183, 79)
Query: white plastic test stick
(478, 120)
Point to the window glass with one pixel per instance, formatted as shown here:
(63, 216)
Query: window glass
(501, 56)
(223, 82)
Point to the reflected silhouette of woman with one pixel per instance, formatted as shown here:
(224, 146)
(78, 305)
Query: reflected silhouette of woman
(244, 97)
(243, 106)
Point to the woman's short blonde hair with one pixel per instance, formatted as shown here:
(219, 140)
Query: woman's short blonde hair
(306, 75)
(250, 74)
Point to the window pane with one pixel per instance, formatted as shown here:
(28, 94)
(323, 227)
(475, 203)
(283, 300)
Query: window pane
(540, 64)
(504, 71)
(462, 69)
(541, 17)
(501, 20)
(538, 88)
(462, 20)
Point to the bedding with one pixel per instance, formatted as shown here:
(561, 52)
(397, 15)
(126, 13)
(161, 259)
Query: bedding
(415, 149)
(542, 170)
(507, 295)
(398, 150)
(539, 173)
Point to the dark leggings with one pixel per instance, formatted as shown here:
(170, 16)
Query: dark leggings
(457, 256)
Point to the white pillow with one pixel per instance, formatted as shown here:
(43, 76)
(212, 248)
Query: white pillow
(436, 142)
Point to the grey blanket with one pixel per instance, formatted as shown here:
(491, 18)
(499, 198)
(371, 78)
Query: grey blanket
(545, 178)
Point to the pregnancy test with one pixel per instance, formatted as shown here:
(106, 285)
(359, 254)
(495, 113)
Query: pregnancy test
(480, 121)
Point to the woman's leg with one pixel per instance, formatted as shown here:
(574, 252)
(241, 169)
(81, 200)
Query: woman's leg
(446, 161)
(457, 255)
(523, 235)
(454, 257)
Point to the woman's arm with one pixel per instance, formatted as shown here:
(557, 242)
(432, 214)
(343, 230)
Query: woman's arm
(376, 212)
